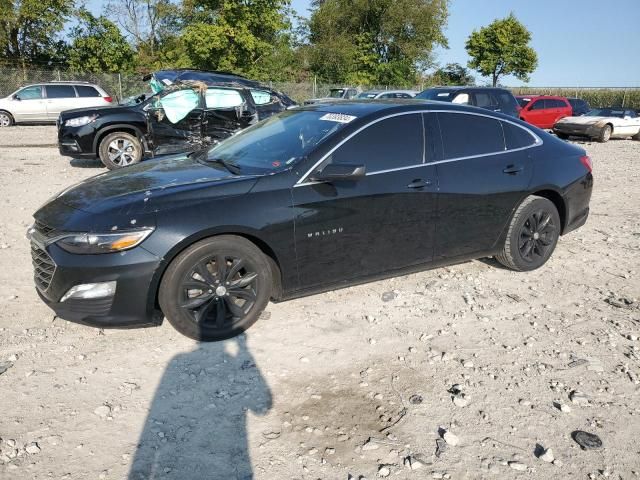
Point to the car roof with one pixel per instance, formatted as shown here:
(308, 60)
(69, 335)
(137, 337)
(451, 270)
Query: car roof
(461, 87)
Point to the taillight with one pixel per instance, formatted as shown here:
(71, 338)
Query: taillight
(586, 161)
(108, 99)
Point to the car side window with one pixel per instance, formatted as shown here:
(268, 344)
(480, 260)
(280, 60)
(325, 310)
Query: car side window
(390, 143)
(86, 91)
(465, 135)
(260, 97)
(538, 105)
(483, 99)
(516, 137)
(223, 98)
(461, 99)
(60, 91)
(30, 93)
(630, 113)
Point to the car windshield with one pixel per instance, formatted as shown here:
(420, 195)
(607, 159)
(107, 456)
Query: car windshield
(439, 94)
(135, 99)
(336, 93)
(523, 101)
(277, 143)
(605, 112)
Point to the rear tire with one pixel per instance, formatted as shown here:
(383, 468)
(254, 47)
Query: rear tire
(120, 149)
(636, 136)
(532, 236)
(605, 134)
(216, 288)
(6, 120)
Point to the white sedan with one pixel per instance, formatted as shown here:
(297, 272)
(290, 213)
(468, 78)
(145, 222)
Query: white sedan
(600, 124)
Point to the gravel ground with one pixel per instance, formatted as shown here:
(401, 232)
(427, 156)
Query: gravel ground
(358, 383)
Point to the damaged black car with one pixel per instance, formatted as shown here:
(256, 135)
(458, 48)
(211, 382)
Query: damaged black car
(190, 110)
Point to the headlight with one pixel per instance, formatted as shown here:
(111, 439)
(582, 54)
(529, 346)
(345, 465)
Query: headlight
(80, 121)
(94, 243)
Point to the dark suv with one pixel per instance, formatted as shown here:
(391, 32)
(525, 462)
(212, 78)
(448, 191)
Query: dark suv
(190, 110)
(579, 106)
(494, 99)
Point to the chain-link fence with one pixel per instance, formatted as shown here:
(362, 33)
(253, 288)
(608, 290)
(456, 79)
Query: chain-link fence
(124, 85)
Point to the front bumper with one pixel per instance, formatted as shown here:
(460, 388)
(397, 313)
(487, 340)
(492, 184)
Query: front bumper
(577, 130)
(132, 305)
(76, 142)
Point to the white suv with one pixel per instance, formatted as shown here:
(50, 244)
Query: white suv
(43, 102)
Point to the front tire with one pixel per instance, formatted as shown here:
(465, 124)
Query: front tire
(533, 234)
(636, 136)
(6, 120)
(216, 288)
(605, 134)
(120, 149)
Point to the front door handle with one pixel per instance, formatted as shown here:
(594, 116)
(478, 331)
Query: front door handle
(419, 183)
(513, 169)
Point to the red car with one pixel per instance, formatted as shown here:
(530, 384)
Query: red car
(542, 110)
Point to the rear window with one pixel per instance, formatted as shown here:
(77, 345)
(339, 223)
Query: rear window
(516, 137)
(507, 99)
(86, 91)
(60, 91)
(483, 99)
(465, 135)
(442, 95)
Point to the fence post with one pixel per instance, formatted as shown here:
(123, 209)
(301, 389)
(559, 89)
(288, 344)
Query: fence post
(624, 97)
(120, 86)
(58, 73)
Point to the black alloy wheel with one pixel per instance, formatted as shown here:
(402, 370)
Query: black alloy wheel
(216, 289)
(536, 236)
(533, 233)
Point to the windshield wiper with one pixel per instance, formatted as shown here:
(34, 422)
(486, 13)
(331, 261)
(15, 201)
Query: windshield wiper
(232, 167)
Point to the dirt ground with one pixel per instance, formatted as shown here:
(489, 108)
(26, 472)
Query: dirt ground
(354, 383)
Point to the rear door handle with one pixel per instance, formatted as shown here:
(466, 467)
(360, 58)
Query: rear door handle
(513, 169)
(419, 183)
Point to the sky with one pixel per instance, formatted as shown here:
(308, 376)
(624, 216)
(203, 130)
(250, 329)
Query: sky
(580, 43)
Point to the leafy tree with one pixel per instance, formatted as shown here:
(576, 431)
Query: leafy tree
(453, 74)
(250, 36)
(99, 46)
(29, 29)
(502, 48)
(375, 41)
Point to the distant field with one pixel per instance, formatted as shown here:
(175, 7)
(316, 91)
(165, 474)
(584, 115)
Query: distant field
(597, 97)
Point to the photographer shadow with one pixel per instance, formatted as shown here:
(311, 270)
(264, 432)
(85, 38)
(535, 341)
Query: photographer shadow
(197, 424)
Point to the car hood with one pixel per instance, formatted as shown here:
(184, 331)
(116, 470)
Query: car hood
(122, 197)
(583, 120)
(78, 112)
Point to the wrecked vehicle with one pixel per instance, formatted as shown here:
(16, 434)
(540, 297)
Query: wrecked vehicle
(311, 199)
(600, 124)
(189, 110)
(344, 93)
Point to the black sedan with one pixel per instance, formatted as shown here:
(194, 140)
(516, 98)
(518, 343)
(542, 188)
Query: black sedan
(308, 200)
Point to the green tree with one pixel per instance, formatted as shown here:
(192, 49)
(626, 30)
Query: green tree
(453, 74)
(98, 46)
(252, 37)
(29, 30)
(502, 48)
(375, 41)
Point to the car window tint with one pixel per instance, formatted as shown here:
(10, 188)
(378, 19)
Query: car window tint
(260, 97)
(483, 99)
(223, 98)
(86, 91)
(516, 137)
(464, 135)
(60, 91)
(506, 99)
(538, 105)
(630, 113)
(391, 143)
(30, 93)
(461, 99)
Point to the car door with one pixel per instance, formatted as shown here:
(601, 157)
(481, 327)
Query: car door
(175, 122)
(380, 222)
(227, 110)
(630, 124)
(536, 113)
(28, 105)
(480, 181)
(59, 99)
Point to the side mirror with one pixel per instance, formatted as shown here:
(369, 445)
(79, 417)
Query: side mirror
(17, 97)
(338, 171)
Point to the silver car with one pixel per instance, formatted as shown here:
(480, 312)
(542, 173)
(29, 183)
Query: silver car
(43, 102)
(382, 94)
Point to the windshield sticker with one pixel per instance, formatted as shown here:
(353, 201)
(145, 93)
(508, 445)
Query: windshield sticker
(338, 117)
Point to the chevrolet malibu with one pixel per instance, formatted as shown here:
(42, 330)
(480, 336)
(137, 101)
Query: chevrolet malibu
(309, 200)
